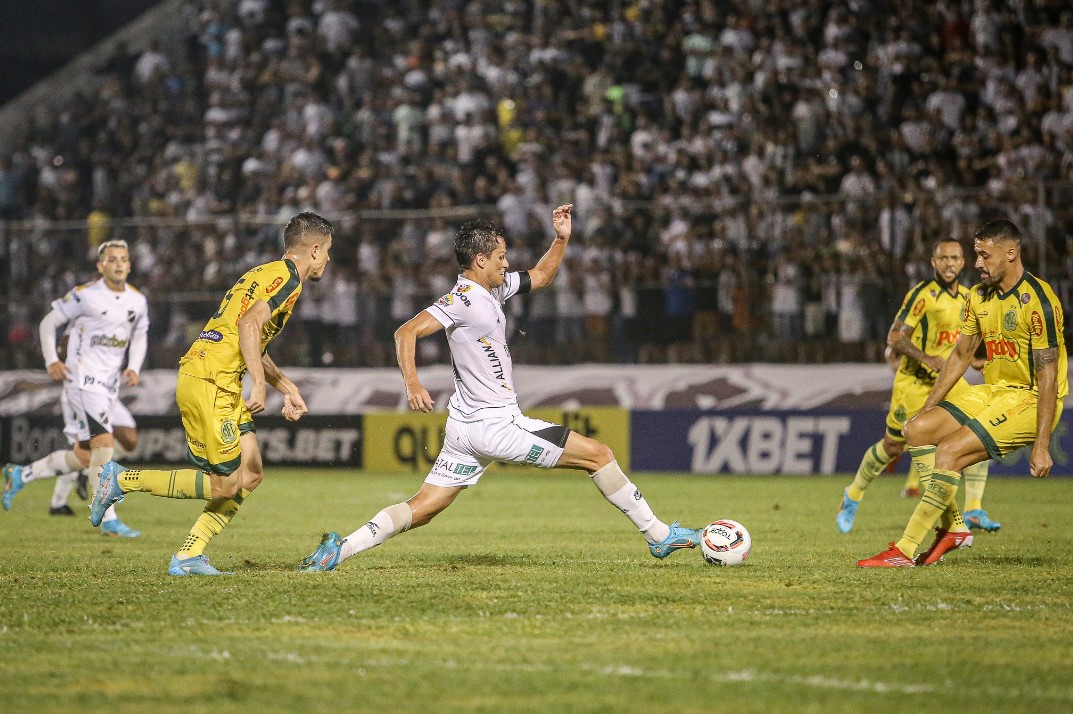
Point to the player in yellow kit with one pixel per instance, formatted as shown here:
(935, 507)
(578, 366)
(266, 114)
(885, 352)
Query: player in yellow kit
(1018, 319)
(923, 336)
(220, 433)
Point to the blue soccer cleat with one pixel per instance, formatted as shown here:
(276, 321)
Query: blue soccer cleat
(198, 565)
(118, 529)
(847, 513)
(978, 519)
(108, 492)
(13, 483)
(677, 539)
(326, 556)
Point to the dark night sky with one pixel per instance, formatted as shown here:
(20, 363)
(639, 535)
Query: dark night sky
(41, 35)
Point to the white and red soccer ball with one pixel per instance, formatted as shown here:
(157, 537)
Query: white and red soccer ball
(725, 542)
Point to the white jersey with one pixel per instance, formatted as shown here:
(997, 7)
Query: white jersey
(477, 335)
(102, 323)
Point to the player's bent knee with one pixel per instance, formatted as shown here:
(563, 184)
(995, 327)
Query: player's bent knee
(893, 448)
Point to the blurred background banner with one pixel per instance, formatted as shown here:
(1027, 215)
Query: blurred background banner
(751, 441)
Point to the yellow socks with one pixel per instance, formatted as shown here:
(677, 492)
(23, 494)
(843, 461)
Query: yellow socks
(938, 497)
(875, 460)
(975, 481)
(210, 523)
(183, 483)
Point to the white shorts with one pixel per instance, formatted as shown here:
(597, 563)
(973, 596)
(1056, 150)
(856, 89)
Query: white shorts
(469, 447)
(86, 414)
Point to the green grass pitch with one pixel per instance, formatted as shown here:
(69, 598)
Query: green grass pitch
(532, 594)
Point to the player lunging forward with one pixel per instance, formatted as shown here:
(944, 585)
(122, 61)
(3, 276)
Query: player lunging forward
(923, 335)
(484, 422)
(1019, 320)
(220, 434)
(107, 316)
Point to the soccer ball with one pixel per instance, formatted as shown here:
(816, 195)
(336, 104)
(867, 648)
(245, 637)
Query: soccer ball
(725, 542)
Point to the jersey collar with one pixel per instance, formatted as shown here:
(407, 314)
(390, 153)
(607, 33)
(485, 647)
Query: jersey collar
(1013, 290)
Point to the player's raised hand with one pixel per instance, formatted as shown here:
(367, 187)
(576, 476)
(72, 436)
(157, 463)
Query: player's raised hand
(294, 407)
(256, 401)
(1040, 462)
(560, 220)
(58, 372)
(419, 399)
(131, 378)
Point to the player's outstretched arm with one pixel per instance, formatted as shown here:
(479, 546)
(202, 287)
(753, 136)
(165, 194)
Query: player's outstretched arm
(548, 265)
(421, 325)
(1046, 361)
(952, 371)
(899, 340)
(250, 326)
(46, 330)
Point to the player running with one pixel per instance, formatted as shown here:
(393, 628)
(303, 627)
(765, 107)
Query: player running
(1017, 317)
(220, 435)
(70, 467)
(107, 317)
(484, 422)
(923, 335)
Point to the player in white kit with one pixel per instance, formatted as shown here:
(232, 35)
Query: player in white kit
(107, 316)
(484, 421)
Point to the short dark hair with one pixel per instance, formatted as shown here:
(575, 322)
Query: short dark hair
(477, 237)
(948, 239)
(306, 224)
(997, 230)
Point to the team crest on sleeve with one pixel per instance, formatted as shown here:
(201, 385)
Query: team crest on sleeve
(446, 300)
(459, 289)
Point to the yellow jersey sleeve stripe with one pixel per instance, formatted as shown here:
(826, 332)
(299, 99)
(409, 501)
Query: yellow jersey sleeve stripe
(1048, 310)
(285, 292)
(910, 299)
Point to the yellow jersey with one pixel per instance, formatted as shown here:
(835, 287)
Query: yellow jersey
(215, 354)
(1012, 324)
(934, 313)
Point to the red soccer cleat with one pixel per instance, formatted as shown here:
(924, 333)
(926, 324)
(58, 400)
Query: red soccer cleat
(944, 542)
(910, 492)
(890, 558)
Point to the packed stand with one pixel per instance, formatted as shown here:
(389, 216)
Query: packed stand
(751, 180)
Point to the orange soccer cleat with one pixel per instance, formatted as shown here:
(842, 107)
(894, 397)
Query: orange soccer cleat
(944, 542)
(890, 558)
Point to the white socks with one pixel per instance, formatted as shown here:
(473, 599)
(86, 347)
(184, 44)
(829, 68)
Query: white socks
(387, 523)
(55, 464)
(625, 496)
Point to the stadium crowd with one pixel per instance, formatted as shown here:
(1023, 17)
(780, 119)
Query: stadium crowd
(752, 180)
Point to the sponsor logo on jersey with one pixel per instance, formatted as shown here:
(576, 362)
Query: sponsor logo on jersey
(1009, 321)
(1001, 348)
(1037, 324)
(493, 359)
(918, 307)
(131, 316)
(947, 337)
(108, 341)
(534, 454)
(211, 336)
(459, 289)
(290, 301)
(446, 300)
(274, 285)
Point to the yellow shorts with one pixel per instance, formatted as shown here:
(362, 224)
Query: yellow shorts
(907, 398)
(1004, 418)
(214, 419)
